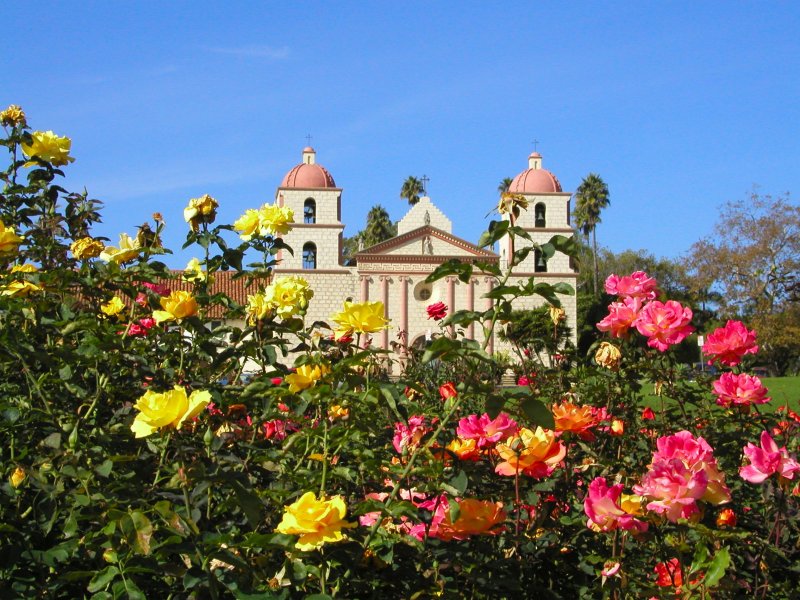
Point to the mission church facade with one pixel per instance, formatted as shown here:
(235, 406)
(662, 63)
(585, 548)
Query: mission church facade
(394, 271)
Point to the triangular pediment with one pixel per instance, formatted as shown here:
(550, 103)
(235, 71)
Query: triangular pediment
(427, 243)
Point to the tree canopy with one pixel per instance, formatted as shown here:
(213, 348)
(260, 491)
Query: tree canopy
(591, 198)
(412, 189)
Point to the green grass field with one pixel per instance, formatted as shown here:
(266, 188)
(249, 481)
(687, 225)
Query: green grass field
(782, 390)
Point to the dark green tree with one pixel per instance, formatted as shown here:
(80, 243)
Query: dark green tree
(379, 228)
(505, 183)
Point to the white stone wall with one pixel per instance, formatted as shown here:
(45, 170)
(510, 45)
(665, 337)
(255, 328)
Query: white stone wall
(326, 239)
(415, 218)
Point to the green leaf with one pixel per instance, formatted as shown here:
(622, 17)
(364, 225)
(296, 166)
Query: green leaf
(452, 267)
(494, 405)
(716, 570)
(439, 348)
(459, 483)
(496, 231)
(538, 413)
(138, 530)
(251, 504)
(102, 578)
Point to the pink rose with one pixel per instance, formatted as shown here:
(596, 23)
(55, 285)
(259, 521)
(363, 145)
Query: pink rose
(485, 430)
(664, 324)
(673, 488)
(730, 343)
(635, 285)
(602, 506)
(408, 437)
(621, 316)
(767, 460)
(740, 390)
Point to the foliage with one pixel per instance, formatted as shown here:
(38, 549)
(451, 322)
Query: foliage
(333, 480)
(379, 228)
(591, 198)
(411, 190)
(504, 184)
(752, 263)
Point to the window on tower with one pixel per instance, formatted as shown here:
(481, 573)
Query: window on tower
(539, 262)
(309, 256)
(309, 211)
(539, 212)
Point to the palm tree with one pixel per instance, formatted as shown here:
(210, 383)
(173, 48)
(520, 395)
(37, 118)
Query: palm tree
(504, 185)
(379, 227)
(591, 198)
(411, 190)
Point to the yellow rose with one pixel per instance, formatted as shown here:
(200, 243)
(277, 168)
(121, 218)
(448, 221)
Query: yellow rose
(512, 204)
(48, 147)
(17, 477)
(363, 317)
(159, 410)
(87, 247)
(306, 376)
(200, 210)
(257, 308)
(21, 287)
(632, 504)
(129, 249)
(12, 116)
(608, 356)
(113, 306)
(288, 296)
(178, 305)
(275, 220)
(338, 412)
(9, 240)
(247, 224)
(315, 521)
(193, 273)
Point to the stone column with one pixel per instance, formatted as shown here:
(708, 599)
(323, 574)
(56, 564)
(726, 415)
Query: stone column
(451, 300)
(403, 280)
(364, 279)
(385, 299)
(471, 306)
(489, 281)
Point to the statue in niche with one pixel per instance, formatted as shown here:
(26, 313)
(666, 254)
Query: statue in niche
(427, 218)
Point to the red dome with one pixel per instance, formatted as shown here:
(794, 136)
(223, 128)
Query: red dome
(308, 174)
(535, 181)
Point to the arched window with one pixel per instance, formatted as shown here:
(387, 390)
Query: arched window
(539, 219)
(309, 256)
(309, 211)
(539, 262)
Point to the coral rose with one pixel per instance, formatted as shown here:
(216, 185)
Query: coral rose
(579, 420)
(485, 430)
(602, 505)
(316, 521)
(740, 390)
(635, 285)
(534, 453)
(475, 517)
(768, 460)
(730, 343)
(447, 390)
(621, 316)
(171, 409)
(664, 324)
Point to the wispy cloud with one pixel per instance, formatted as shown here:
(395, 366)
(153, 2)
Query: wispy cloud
(254, 51)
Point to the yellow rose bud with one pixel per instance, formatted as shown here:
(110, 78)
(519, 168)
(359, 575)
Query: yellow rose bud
(9, 240)
(178, 305)
(608, 356)
(48, 147)
(17, 477)
(316, 521)
(161, 410)
(200, 210)
(86, 247)
(12, 116)
(112, 307)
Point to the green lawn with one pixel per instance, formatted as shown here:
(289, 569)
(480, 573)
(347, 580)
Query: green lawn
(782, 390)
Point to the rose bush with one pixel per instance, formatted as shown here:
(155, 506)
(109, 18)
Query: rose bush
(140, 461)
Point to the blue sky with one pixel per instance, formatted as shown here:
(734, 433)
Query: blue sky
(679, 106)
